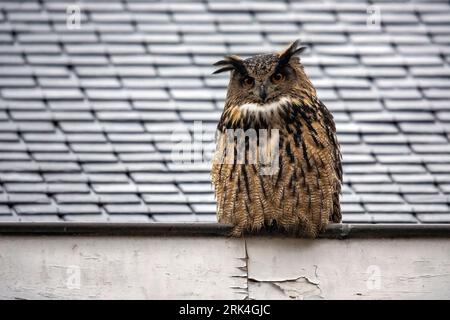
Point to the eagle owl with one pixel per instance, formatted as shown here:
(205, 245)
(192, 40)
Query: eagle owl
(271, 95)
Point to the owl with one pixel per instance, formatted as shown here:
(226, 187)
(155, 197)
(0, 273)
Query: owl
(277, 163)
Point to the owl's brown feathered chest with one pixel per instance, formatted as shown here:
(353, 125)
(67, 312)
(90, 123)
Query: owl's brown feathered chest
(297, 120)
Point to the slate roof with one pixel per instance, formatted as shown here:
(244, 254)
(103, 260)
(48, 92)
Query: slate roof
(87, 115)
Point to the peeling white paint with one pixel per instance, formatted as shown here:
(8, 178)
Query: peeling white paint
(64, 267)
(121, 268)
(299, 289)
(408, 268)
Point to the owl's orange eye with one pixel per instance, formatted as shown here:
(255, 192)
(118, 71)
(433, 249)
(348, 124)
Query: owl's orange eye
(277, 78)
(249, 82)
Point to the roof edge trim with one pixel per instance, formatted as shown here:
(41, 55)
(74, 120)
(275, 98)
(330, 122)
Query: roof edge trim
(333, 231)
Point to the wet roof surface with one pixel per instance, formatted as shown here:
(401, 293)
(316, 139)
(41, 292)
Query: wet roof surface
(87, 115)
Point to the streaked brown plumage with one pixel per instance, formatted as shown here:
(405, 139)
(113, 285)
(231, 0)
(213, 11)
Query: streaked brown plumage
(269, 92)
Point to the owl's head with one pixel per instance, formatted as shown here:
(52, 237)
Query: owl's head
(265, 78)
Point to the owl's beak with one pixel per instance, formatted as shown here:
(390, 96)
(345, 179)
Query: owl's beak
(262, 93)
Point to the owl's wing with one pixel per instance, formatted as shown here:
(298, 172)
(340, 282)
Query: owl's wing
(306, 186)
(336, 158)
(309, 187)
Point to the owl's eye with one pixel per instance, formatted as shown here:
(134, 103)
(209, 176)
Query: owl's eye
(277, 78)
(249, 82)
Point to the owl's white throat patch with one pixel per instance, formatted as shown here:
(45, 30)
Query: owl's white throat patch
(264, 108)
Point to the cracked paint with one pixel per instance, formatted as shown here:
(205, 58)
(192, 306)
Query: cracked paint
(224, 268)
(286, 268)
(300, 288)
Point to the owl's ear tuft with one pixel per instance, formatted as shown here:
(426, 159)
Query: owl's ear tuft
(231, 63)
(224, 69)
(291, 51)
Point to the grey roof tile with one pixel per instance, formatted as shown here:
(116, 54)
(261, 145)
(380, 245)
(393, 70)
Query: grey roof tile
(114, 188)
(416, 178)
(96, 157)
(75, 198)
(353, 208)
(4, 198)
(144, 167)
(434, 218)
(382, 198)
(405, 168)
(367, 178)
(53, 148)
(26, 187)
(196, 187)
(19, 177)
(157, 188)
(85, 217)
(81, 148)
(45, 209)
(164, 198)
(127, 209)
(169, 209)
(393, 218)
(395, 188)
(121, 198)
(133, 148)
(107, 177)
(113, 168)
(204, 208)
(356, 218)
(438, 168)
(445, 188)
(59, 167)
(427, 199)
(51, 138)
(172, 218)
(17, 198)
(430, 208)
(388, 208)
(38, 218)
(12, 147)
(9, 136)
(129, 217)
(24, 166)
(201, 198)
(65, 177)
(5, 210)
(140, 157)
(67, 188)
(14, 156)
(442, 177)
